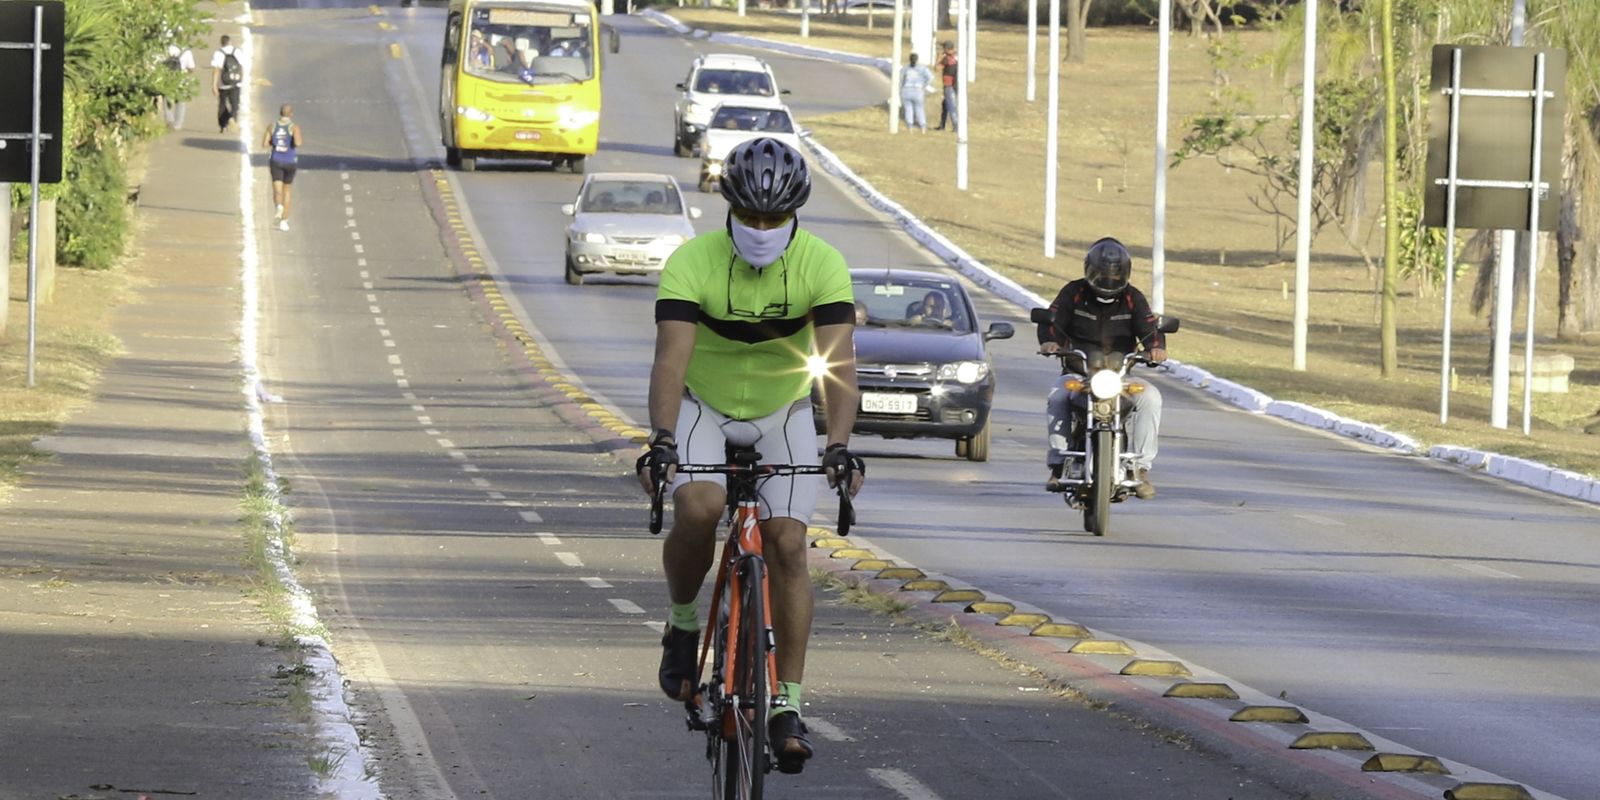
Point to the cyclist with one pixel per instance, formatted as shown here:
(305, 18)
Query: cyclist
(1099, 313)
(737, 314)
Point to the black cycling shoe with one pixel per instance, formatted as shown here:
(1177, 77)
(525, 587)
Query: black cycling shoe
(678, 663)
(786, 735)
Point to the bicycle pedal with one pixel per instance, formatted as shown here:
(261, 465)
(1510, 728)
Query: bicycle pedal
(694, 714)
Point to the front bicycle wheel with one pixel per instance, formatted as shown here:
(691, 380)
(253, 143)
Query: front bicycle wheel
(745, 759)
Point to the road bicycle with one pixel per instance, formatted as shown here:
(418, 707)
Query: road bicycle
(733, 705)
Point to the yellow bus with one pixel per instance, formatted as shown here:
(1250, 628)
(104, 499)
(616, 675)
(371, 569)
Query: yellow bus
(520, 79)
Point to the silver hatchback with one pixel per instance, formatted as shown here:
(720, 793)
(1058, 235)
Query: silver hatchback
(625, 223)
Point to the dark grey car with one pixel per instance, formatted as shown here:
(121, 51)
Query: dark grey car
(921, 360)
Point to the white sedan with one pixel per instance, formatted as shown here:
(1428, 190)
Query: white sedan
(625, 223)
(734, 123)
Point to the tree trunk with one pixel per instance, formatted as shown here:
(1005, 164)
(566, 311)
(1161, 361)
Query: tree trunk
(944, 14)
(1391, 198)
(1567, 233)
(1076, 41)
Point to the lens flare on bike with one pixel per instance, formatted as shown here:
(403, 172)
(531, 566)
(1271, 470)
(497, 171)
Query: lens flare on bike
(817, 366)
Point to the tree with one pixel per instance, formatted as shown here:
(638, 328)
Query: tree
(1391, 196)
(1077, 20)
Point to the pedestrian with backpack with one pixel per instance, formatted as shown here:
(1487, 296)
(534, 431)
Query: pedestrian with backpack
(227, 77)
(283, 143)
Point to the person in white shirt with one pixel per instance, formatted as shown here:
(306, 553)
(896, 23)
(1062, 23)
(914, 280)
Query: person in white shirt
(227, 79)
(179, 59)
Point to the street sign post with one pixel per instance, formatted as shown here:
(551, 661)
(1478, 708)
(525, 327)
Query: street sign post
(32, 43)
(1492, 143)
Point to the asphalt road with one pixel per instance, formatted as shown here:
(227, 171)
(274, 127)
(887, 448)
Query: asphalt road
(1445, 611)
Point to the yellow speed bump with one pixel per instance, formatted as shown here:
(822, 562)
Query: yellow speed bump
(1287, 714)
(830, 541)
(375, 10)
(991, 607)
(816, 531)
(1156, 668)
(394, 50)
(958, 596)
(870, 565)
(1404, 762)
(1331, 740)
(900, 574)
(1023, 619)
(1202, 691)
(1488, 791)
(1060, 630)
(1101, 647)
(852, 552)
(924, 585)
(385, 26)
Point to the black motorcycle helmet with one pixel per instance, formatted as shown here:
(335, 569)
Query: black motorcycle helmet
(765, 176)
(1107, 267)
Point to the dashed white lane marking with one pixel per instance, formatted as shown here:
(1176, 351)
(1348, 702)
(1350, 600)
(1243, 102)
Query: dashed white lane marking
(346, 187)
(431, 431)
(380, 323)
(660, 627)
(344, 176)
(457, 455)
(408, 395)
(570, 559)
(481, 483)
(1483, 570)
(898, 781)
(549, 538)
(384, 332)
(376, 310)
(355, 236)
(372, 298)
(361, 262)
(828, 730)
(368, 285)
(530, 516)
(403, 383)
(470, 468)
(349, 212)
(625, 606)
(446, 444)
(423, 420)
(360, 249)
(496, 495)
(1320, 520)
(364, 274)
(595, 583)
(419, 409)
(349, 223)
(349, 199)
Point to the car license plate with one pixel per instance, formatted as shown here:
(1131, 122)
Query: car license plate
(630, 258)
(879, 403)
(528, 135)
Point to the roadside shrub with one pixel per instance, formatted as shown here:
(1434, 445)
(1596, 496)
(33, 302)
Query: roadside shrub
(92, 219)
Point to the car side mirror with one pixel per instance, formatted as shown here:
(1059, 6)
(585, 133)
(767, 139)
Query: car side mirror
(694, 213)
(1000, 330)
(1167, 324)
(783, 91)
(569, 209)
(1041, 316)
(680, 87)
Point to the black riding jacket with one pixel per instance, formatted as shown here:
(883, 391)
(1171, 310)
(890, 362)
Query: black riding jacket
(1084, 323)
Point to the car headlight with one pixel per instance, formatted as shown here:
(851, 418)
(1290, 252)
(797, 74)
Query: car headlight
(474, 114)
(671, 240)
(578, 117)
(1105, 384)
(964, 371)
(594, 238)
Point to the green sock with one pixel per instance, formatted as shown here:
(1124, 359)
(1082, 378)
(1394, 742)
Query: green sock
(684, 616)
(790, 692)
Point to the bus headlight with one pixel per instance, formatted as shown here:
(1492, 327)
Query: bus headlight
(968, 372)
(474, 114)
(578, 117)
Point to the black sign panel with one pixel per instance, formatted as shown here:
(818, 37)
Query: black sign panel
(1496, 137)
(16, 89)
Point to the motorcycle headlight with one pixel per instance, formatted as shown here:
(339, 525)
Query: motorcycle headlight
(577, 117)
(671, 240)
(1105, 384)
(968, 372)
(713, 167)
(474, 114)
(594, 238)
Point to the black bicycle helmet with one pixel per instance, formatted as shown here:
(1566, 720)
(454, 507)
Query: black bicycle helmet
(765, 176)
(1107, 267)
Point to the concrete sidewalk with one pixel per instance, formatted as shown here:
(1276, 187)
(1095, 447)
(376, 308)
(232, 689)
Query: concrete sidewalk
(133, 659)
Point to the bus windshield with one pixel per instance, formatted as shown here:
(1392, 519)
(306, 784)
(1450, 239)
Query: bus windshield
(526, 45)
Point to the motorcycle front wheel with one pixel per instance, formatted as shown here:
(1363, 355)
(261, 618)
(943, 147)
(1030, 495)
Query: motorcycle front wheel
(1097, 514)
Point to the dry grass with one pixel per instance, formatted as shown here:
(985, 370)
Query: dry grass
(1225, 277)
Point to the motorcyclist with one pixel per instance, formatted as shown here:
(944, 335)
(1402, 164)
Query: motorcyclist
(1100, 314)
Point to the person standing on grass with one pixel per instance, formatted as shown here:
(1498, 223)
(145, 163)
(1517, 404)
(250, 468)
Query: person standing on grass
(283, 142)
(227, 77)
(950, 71)
(916, 81)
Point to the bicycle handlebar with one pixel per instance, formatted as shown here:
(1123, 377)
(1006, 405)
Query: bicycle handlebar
(847, 511)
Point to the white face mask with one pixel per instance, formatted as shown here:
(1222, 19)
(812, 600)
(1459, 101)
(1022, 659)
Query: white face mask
(759, 248)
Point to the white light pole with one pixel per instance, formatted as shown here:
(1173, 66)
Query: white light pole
(963, 47)
(896, 70)
(1052, 130)
(1505, 297)
(1302, 232)
(972, 41)
(805, 19)
(1033, 44)
(1158, 243)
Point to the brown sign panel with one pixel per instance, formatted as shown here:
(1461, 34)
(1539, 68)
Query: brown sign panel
(1496, 137)
(16, 89)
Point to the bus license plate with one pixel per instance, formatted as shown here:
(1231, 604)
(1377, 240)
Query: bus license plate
(528, 135)
(878, 403)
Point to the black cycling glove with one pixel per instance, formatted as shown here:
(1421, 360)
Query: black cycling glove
(839, 459)
(660, 458)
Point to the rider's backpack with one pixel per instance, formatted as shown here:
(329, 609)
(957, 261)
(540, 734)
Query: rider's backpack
(232, 71)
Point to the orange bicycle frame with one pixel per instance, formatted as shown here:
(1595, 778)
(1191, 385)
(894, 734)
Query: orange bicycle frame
(744, 541)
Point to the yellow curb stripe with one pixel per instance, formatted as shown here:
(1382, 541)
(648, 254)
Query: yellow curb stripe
(394, 50)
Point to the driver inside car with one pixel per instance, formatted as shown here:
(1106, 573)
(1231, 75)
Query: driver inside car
(1098, 314)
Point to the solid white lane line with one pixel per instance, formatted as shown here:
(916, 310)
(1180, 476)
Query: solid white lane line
(530, 516)
(595, 583)
(625, 606)
(570, 559)
(901, 783)
(549, 538)
(828, 730)
(1483, 570)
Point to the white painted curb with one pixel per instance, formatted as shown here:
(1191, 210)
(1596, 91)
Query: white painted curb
(1518, 470)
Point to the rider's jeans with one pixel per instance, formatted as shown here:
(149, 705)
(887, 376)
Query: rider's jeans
(1143, 422)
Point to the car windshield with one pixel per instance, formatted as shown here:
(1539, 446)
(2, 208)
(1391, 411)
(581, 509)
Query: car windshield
(733, 81)
(741, 118)
(919, 304)
(631, 197)
(523, 45)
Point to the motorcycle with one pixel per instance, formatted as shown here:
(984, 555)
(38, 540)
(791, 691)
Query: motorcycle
(1098, 471)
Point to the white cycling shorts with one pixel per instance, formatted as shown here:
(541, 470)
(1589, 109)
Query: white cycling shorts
(786, 436)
